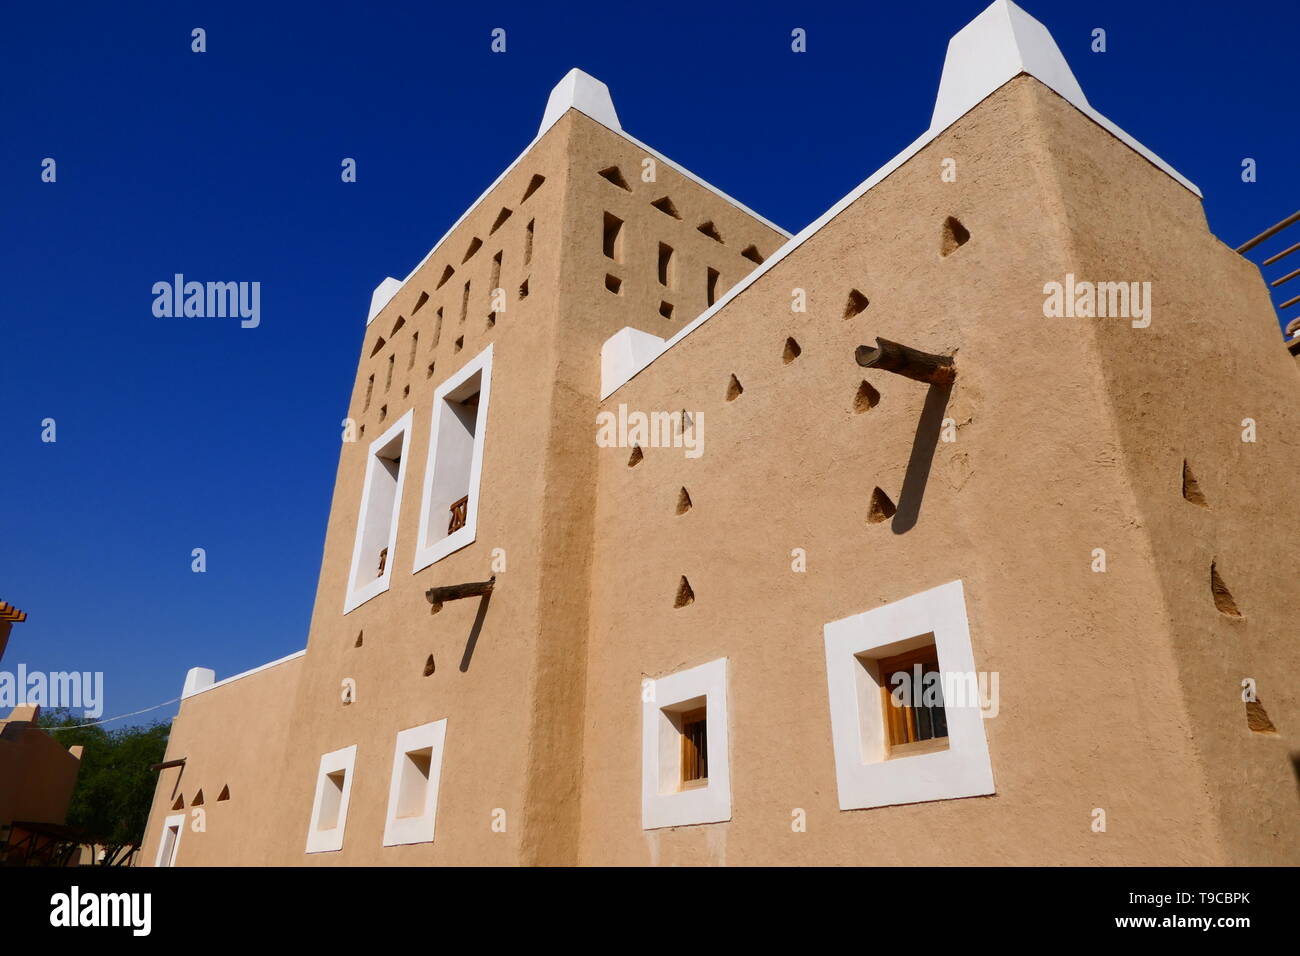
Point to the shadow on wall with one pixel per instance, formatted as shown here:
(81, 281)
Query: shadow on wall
(918, 465)
(475, 630)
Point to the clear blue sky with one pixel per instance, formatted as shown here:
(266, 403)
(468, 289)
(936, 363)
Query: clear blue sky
(175, 434)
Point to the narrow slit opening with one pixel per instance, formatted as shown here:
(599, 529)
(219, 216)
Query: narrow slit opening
(685, 595)
(709, 229)
(534, 184)
(856, 304)
(1223, 599)
(881, 507)
(613, 237)
(615, 176)
(955, 235)
(665, 206)
(1191, 489)
(866, 399)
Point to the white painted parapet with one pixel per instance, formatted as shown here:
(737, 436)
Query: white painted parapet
(1000, 44)
(582, 92)
(996, 47)
(382, 295)
(197, 679)
(624, 354)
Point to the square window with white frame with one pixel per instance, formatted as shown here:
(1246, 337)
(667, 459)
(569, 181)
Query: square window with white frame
(685, 775)
(449, 508)
(907, 718)
(329, 812)
(381, 501)
(413, 789)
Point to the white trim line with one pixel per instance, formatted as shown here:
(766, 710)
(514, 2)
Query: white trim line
(382, 295)
(700, 182)
(660, 157)
(427, 554)
(946, 113)
(252, 670)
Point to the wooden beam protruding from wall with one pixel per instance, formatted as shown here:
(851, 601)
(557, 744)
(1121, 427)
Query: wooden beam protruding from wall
(909, 362)
(454, 592)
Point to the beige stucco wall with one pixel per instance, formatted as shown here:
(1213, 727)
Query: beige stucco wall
(232, 735)
(1111, 684)
(1095, 687)
(514, 705)
(37, 773)
(1182, 389)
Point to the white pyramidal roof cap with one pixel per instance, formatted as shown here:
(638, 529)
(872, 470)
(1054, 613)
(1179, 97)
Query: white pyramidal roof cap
(584, 93)
(997, 46)
(382, 295)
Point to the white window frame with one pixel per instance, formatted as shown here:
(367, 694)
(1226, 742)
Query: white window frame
(426, 552)
(176, 820)
(399, 831)
(358, 595)
(863, 775)
(325, 841)
(661, 749)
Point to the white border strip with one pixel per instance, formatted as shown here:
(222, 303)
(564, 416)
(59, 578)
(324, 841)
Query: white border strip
(427, 554)
(790, 246)
(359, 595)
(979, 73)
(401, 831)
(234, 677)
(527, 149)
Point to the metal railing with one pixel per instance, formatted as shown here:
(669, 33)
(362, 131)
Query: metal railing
(1293, 324)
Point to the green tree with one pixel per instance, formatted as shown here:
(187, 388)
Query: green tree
(115, 786)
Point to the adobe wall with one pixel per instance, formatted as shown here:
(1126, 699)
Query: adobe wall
(233, 735)
(37, 773)
(514, 705)
(589, 314)
(1181, 390)
(1010, 508)
(488, 701)
(1114, 686)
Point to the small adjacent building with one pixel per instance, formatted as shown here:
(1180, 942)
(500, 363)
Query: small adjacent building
(37, 777)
